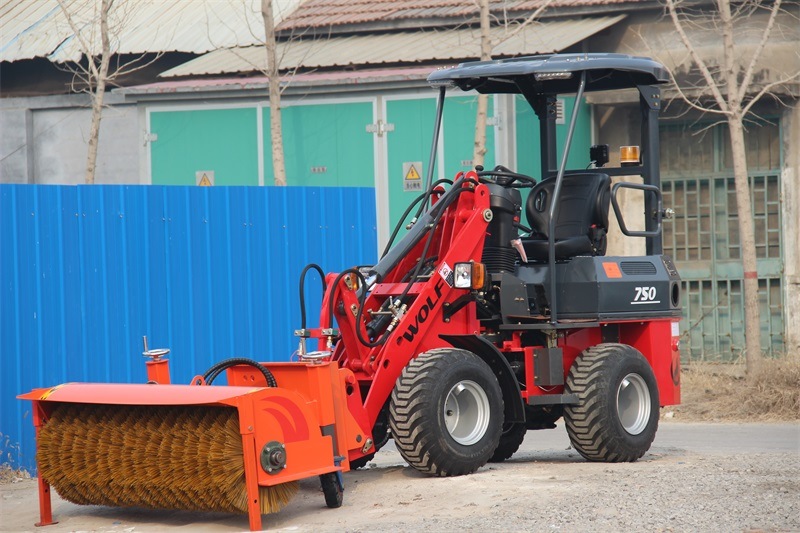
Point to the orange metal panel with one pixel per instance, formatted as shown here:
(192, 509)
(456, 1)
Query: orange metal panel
(158, 371)
(353, 428)
(332, 394)
(138, 394)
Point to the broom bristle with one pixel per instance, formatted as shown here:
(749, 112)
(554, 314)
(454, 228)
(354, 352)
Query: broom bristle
(162, 457)
(275, 498)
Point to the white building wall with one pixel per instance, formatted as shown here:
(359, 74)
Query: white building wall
(44, 141)
(16, 165)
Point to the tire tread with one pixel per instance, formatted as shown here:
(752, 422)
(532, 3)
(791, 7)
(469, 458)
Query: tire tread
(591, 425)
(416, 443)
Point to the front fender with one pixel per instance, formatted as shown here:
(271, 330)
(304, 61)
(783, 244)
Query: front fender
(512, 397)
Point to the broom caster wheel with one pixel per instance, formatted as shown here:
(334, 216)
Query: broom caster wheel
(333, 488)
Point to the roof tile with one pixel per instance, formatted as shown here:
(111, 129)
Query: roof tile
(39, 28)
(328, 13)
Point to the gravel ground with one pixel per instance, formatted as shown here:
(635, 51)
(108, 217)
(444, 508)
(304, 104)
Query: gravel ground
(697, 477)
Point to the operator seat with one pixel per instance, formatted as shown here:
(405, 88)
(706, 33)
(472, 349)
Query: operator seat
(582, 216)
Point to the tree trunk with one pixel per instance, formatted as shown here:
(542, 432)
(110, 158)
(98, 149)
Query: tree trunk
(752, 310)
(276, 134)
(94, 132)
(99, 92)
(729, 84)
(479, 148)
(747, 243)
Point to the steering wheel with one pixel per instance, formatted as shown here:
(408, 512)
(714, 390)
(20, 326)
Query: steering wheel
(505, 177)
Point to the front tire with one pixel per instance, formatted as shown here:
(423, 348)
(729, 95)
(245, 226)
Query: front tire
(446, 412)
(616, 417)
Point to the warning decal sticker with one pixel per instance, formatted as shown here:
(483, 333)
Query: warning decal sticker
(412, 180)
(447, 274)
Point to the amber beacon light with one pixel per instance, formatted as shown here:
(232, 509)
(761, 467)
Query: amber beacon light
(629, 155)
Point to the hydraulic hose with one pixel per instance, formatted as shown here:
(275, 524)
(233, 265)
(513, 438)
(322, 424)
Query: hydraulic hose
(362, 299)
(436, 212)
(303, 293)
(439, 210)
(399, 224)
(429, 240)
(421, 198)
(212, 373)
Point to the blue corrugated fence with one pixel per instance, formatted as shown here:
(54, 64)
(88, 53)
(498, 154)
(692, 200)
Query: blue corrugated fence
(209, 272)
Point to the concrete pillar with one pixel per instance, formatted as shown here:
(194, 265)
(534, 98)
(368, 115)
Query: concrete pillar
(505, 136)
(790, 187)
(619, 125)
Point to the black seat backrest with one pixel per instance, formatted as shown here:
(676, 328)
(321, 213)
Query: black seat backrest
(583, 204)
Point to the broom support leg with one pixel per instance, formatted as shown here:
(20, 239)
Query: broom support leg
(45, 508)
(45, 505)
(251, 481)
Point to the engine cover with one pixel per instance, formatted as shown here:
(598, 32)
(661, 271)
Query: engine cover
(600, 288)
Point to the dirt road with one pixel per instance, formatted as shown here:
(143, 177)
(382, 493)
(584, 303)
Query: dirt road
(698, 477)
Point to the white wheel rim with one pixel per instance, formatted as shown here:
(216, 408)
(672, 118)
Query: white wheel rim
(466, 412)
(633, 404)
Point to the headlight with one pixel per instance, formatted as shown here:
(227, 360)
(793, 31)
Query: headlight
(469, 275)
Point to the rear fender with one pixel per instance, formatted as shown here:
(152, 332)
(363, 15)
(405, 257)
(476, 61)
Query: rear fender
(512, 397)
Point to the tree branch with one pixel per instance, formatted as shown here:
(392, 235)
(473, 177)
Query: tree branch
(767, 88)
(134, 65)
(87, 51)
(690, 102)
(531, 18)
(712, 84)
(748, 76)
(730, 71)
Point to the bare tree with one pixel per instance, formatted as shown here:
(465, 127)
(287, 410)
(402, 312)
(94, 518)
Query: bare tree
(98, 72)
(488, 43)
(271, 64)
(479, 149)
(273, 73)
(733, 95)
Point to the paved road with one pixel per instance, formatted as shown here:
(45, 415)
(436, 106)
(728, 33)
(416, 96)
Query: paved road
(717, 439)
(730, 438)
(696, 477)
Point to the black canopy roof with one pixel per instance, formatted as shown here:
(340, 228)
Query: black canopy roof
(552, 74)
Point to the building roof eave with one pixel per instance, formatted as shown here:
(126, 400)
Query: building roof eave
(361, 80)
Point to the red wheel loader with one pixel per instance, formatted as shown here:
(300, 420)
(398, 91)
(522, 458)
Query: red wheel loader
(497, 312)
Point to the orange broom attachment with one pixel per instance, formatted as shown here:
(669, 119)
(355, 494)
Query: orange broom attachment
(235, 448)
(162, 457)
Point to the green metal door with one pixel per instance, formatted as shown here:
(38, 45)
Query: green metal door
(460, 113)
(324, 145)
(703, 239)
(219, 141)
(528, 147)
(410, 141)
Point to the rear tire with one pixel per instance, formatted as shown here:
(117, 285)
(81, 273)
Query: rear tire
(510, 441)
(543, 416)
(446, 412)
(616, 417)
